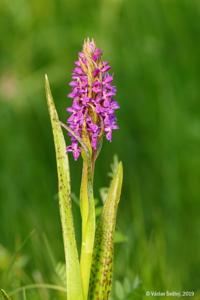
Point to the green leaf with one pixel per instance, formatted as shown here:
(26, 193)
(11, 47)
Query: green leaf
(5, 295)
(73, 276)
(102, 263)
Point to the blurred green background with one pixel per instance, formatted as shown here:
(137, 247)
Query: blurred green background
(154, 49)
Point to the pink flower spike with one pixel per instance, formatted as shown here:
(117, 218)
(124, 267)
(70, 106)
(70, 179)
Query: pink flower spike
(93, 105)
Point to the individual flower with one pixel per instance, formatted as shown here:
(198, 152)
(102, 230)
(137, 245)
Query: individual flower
(93, 106)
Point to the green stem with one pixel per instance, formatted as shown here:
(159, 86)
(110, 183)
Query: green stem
(88, 223)
(84, 204)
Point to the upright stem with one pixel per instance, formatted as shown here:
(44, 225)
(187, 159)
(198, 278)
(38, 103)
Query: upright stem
(84, 203)
(88, 223)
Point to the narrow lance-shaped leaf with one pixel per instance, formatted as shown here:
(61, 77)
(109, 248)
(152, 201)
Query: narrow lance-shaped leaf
(102, 263)
(74, 285)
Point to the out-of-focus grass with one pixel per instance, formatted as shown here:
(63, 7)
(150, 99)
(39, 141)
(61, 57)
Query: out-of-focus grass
(154, 49)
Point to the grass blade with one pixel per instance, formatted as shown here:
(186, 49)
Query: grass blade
(36, 286)
(74, 285)
(5, 295)
(102, 264)
(24, 294)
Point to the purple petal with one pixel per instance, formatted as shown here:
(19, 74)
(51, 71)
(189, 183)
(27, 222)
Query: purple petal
(97, 54)
(107, 79)
(96, 72)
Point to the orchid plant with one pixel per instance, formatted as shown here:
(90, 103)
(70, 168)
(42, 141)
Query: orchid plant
(92, 116)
